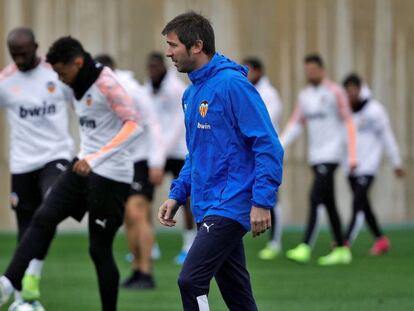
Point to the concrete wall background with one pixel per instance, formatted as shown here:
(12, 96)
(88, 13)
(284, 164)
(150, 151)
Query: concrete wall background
(372, 37)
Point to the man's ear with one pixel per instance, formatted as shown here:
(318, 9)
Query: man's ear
(79, 61)
(197, 48)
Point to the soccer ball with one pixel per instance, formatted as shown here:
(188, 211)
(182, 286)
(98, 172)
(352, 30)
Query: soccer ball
(21, 306)
(26, 306)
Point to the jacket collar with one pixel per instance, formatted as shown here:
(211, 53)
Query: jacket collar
(87, 76)
(205, 72)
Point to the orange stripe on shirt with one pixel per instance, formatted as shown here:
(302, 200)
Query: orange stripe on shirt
(346, 115)
(297, 117)
(118, 98)
(126, 131)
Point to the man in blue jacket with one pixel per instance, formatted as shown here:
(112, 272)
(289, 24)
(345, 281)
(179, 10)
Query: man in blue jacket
(232, 171)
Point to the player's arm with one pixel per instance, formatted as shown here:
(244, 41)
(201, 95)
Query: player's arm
(123, 106)
(294, 127)
(345, 112)
(388, 139)
(181, 187)
(252, 118)
(157, 153)
(179, 192)
(273, 105)
(177, 127)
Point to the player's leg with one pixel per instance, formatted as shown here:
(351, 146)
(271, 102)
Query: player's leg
(329, 202)
(106, 199)
(273, 246)
(234, 281)
(340, 254)
(188, 232)
(64, 200)
(382, 244)
(302, 253)
(47, 176)
(139, 229)
(25, 199)
(216, 239)
(358, 215)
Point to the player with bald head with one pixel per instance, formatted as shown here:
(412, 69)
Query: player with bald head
(36, 103)
(22, 47)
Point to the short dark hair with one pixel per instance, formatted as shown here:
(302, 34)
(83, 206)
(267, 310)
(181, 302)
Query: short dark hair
(22, 31)
(314, 58)
(64, 50)
(190, 27)
(158, 56)
(106, 60)
(254, 62)
(352, 79)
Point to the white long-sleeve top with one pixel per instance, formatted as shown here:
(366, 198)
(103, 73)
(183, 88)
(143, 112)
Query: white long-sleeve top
(325, 110)
(37, 106)
(150, 146)
(168, 104)
(271, 99)
(374, 134)
(109, 125)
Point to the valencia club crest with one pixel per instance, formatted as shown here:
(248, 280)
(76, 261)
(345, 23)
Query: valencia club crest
(51, 86)
(203, 108)
(88, 100)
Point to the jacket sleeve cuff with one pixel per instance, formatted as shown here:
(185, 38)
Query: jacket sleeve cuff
(180, 199)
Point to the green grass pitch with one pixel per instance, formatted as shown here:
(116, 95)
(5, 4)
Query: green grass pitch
(384, 283)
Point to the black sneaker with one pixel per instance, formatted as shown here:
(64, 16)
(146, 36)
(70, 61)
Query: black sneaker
(135, 276)
(145, 281)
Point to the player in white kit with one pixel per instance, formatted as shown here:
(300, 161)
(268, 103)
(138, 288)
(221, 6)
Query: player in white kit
(323, 107)
(149, 161)
(374, 134)
(97, 181)
(271, 98)
(36, 103)
(166, 91)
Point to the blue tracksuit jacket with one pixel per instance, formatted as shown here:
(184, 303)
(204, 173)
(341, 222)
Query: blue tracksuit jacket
(235, 158)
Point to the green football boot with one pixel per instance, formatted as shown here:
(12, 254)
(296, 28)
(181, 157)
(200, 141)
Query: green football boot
(30, 287)
(339, 256)
(300, 254)
(271, 251)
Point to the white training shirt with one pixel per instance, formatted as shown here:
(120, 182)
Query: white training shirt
(324, 109)
(109, 124)
(36, 103)
(374, 133)
(271, 99)
(168, 104)
(150, 146)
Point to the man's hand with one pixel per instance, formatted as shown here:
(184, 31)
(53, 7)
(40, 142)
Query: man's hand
(81, 167)
(156, 175)
(260, 220)
(167, 211)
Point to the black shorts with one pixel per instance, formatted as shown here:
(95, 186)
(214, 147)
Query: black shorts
(174, 166)
(104, 199)
(141, 184)
(28, 190)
